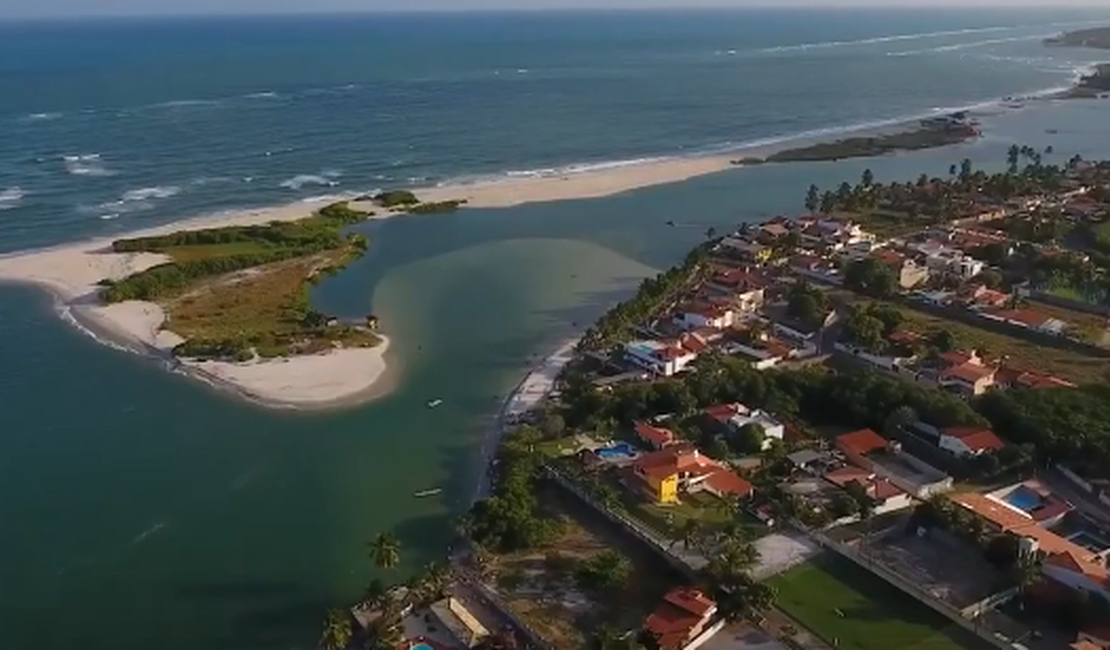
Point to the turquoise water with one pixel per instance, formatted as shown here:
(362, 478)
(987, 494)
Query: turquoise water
(152, 511)
(1023, 499)
(619, 450)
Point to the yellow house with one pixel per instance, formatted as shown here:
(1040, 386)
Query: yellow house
(664, 471)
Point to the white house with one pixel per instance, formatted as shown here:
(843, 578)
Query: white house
(772, 428)
(708, 316)
(969, 441)
(661, 358)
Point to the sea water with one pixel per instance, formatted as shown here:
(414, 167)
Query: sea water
(143, 509)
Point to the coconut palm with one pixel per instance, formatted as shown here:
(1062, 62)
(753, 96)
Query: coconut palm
(337, 630)
(385, 551)
(374, 592)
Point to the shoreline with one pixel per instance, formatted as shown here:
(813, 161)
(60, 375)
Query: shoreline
(71, 273)
(532, 388)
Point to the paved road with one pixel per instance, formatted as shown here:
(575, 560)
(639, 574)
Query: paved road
(742, 637)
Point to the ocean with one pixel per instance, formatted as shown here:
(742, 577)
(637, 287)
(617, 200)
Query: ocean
(145, 509)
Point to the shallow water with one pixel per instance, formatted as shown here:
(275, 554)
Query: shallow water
(140, 502)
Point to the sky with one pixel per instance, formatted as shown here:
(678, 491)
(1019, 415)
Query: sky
(70, 8)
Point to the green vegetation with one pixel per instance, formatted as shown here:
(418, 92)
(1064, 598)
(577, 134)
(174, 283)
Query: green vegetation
(929, 136)
(654, 295)
(243, 290)
(1062, 424)
(395, 199)
(435, 206)
(853, 609)
(807, 304)
(1064, 363)
(870, 277)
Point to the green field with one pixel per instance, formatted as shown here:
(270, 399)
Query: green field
(876, 615)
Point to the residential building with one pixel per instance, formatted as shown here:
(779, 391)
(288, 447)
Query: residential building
(715, 316)
(1027, 318)
(1064, 561)
(653, 436)
(965, 373)
(980, 296)
(870, 451)
(719, 415)
(886, 496)
(908, 272)
(1010, 377)
(834, 234)
(457, 619)
(660, 357)
(796, 331)
(1094, 636)
(772, 428)
(684, 616)
(748, 251)
(969, 441)
(681, 467)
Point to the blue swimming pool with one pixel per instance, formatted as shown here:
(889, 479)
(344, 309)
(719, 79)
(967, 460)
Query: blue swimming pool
(616, 452)
(421, 646)
(1023, 498)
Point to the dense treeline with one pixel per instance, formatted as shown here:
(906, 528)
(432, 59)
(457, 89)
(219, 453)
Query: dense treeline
(510, 519)
(818, 396)
(654, 294)
(435, 206)
(395, 198)
(1064, 424)
(266, 244)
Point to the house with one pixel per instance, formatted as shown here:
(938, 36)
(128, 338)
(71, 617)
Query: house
(858, 444)
(886, 496)
(684, 616)
(1010, 377)
(719, 415)
(796, 331)
(969, 441)
(764, 352)
(1028, 319)
(816, 268)
(653, 436)
(715, 316)
(664, 358)
(980, 296)
(745, 250)
(908, 272)
(1064, 561)
(965, 373)
(1095, 636)
(834, 234)
(772, 428)
(453, 615)
(682, 467)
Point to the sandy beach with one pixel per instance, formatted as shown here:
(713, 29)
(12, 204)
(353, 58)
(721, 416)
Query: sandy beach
(71, 273)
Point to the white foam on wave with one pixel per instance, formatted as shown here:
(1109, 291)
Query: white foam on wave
(41, 117)
(325, 178)
(87, 164)
(954, 47)
(187, 103)
(267, 94)
(884, 39)
(11, 198)
(148, 193)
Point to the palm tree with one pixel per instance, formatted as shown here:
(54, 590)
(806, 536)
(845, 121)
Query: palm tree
(385, 551)
(374, 592)
(689, 532)
(337, 630)
(730, 508)
(435, 577)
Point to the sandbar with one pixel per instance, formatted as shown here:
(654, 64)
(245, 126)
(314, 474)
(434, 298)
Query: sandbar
(71, 272)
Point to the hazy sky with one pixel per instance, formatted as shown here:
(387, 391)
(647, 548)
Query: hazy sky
(13, 8)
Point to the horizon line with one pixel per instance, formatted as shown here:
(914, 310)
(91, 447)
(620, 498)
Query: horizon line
(293, 13)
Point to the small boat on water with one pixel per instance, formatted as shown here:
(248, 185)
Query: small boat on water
(430, 492)
(434, 403)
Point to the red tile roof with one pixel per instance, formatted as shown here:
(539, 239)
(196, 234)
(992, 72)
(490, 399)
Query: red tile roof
(730, 483)
(655, 436)
(1026, 317)
(675, 459)
(976, 438)
(682, 611)
(861, 442)
(724, 412)
(957, 357)
(969, 372)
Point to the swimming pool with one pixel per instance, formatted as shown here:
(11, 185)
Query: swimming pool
(1023, 498)
(421, 646)
(616, 452)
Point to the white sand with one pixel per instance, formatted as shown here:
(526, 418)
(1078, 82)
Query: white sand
(72, 271)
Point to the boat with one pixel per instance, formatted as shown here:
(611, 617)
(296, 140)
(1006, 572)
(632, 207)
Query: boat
(434, 403)
(430, 492)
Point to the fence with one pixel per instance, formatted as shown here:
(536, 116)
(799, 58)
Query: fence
(688, 565)
(879, 569)
(533, 637)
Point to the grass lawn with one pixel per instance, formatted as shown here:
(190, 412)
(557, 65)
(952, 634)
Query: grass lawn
(876, 615)
(205, 251)
(1076, 367)
(885, 223)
